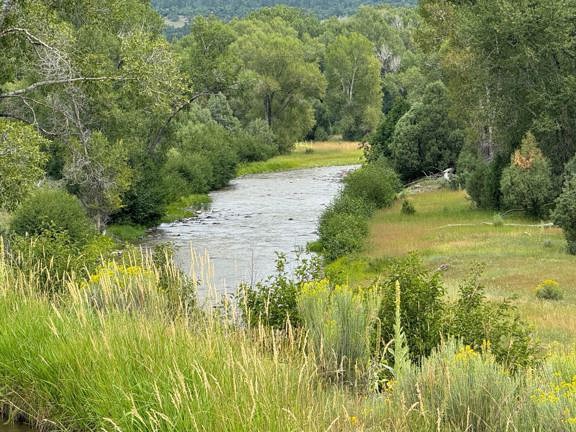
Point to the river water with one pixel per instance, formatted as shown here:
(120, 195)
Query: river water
(248, 222)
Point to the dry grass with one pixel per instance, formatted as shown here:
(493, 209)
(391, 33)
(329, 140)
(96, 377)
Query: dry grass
(446, 230)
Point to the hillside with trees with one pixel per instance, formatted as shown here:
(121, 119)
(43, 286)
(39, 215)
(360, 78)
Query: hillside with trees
(239, 8)
(462, 113)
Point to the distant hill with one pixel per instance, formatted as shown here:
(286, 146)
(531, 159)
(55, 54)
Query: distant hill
(228, 9)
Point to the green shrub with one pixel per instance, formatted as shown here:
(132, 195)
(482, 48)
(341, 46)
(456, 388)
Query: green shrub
(422, 306)
(338, 322)
(376, 183)
(549, 290)
(527, 183)
(497, 220)
(483, 182)
(256, 143)
(459, 389)
(564, 215)
(351, 205)
(493, 326)
(341, 234)
(408, 207)
(273, 302)
(54, 211)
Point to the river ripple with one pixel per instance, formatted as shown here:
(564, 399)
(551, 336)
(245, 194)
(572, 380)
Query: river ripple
(250, 220)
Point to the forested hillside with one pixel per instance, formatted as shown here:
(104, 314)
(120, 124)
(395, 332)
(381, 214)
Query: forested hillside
(227, 9)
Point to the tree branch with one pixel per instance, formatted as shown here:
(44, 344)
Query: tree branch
(39, 84)
(28, 122)
(156, 139)
(31, 38)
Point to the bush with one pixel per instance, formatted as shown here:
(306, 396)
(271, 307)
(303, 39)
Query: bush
(459, 389)
(426, 139)
(408, 207)
(492, 326)
(338, 322)
(348, 204)
(549, 290)
(54, 211)
(564, 215)
(483, 182)
(422, 306)
(497, 220)
(273, 302)
(187, 174)
(256, 143)
(527, 183)
(376, 183)
(341, 234)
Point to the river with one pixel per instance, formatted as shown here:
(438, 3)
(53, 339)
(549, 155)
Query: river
(247, 222)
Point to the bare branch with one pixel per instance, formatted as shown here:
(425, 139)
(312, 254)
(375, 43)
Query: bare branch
(28, 122)
(31, 38)
(30, 88)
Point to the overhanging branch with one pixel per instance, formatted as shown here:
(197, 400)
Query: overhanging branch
(39, 84)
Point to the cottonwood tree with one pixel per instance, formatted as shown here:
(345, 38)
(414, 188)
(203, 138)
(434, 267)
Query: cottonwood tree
(21, 161)
(426, 139)
(354, 96)
(280, 80)
(70, 69)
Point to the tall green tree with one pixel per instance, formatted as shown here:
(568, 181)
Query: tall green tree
(426, 139)
(280, 81)
(354, 94)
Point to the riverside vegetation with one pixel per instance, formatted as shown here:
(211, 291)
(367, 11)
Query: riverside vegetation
(108, 128)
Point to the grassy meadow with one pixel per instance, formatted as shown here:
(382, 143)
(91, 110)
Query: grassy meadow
(517, 255)
(309, 155)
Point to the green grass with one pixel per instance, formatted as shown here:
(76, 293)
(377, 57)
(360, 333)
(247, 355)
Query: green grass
(126, 233)
(308, 155)
(4, 221)
(447, 231)
(185, 207)
(143, 364)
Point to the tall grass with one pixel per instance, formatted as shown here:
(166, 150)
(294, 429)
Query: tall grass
(126, 351)
(140, 368)
(339, 322)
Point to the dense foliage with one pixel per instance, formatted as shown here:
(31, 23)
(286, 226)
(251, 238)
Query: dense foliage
(343, 227)
(99, 101)
(231, 9)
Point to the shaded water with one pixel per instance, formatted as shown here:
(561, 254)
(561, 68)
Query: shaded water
(251, 220)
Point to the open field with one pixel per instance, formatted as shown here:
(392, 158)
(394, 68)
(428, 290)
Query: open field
(447, 231)
(309, 155)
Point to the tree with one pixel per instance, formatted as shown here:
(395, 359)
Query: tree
(509, 68)
(21, 162)
(527, 184)
(564, 214)
(99, 174)
(426, 139)
(382, 137)
(280, 82)
(354, 95)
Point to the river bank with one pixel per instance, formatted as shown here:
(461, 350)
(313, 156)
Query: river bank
(304, 155)
(517, 254)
